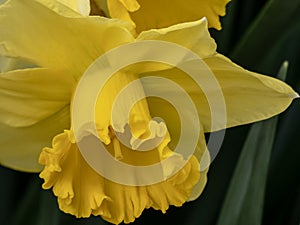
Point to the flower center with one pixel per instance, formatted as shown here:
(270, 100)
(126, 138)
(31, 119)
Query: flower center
(147, 141)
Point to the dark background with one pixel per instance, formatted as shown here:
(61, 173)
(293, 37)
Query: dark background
(259, 35)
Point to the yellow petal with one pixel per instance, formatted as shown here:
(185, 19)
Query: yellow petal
(203, 156)
(94, 194)
(14, 63)
(21, 147)
(142, 130)
(130, 5)
(31, 95)
(82, 192)
(249, 96)
(116, 9)
(159, 14)
(168, 113)
(81, 6)
(34, 32)
(107, 99)
(67, 8)
(192, 35)
(120, 8)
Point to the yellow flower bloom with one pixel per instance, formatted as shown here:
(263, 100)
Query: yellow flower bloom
(43, 55)
(147, 14)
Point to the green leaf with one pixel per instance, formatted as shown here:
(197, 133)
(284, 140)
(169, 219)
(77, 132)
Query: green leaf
(245, 197)
(275, 20)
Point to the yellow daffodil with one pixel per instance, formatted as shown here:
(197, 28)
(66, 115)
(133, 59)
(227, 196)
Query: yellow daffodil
(43, 55)
(158, 14)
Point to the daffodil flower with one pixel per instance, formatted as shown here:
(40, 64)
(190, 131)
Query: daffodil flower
(159, 14)
(43, 55)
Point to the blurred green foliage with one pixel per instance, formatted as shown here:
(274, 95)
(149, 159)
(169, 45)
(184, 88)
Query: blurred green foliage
(248, 183)
(259, 35)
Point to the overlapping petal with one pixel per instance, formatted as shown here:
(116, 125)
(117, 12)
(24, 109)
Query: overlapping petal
(72, 8)
(248, 96)
(52, 41)
(158, 14)
(21, 146)
(82, 192)
(139, 115)
(193, 36)
(67, 57)
(14, 63)
(24, 100)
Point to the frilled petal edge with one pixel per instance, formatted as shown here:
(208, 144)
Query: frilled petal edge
(158, 14)
(82, 192)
